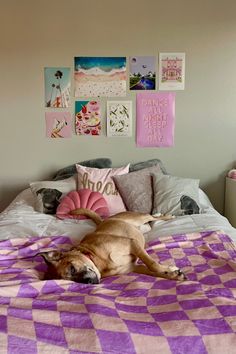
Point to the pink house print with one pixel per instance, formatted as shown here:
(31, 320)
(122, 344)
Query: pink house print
(172, 69)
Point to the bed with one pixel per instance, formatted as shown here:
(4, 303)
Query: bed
(129, 313)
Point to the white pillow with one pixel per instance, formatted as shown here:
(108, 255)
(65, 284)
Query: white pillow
(48, 193)
(175, 195)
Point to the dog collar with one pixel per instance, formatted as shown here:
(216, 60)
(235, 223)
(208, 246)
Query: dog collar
(88, 255)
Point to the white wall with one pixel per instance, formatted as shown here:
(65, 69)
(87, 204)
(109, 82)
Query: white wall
(37, 34)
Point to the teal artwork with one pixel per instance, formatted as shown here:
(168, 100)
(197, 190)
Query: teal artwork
(57, 87)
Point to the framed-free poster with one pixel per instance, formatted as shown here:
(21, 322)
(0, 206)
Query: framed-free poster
(155, 119)
(119, 118)
(100, 76)
(57, 87)
(171, 71)
(87, 118)
(142, 73)
(58, 124)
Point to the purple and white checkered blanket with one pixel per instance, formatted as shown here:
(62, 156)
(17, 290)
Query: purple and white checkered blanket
(124, 314)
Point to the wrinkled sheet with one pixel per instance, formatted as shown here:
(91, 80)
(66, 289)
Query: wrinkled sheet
(124, 314)
(20, 220)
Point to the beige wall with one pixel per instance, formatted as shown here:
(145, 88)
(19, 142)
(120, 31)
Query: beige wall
(39, 33)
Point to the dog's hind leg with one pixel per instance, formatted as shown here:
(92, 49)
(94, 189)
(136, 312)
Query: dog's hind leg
(156, 269)
(138, 219)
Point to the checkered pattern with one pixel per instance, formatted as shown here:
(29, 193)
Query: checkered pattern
(124, 314)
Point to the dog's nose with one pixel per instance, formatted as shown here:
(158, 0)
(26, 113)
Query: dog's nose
(87, 278)
(49, 208)
(91, 281)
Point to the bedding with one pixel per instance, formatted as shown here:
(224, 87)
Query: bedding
(105, 162)
(147, 163)
(175, 195)
(124, 314)
(20, 219)
(136, 189)
(47, 194)
(100, 180)
(84, 198)
(69, 171)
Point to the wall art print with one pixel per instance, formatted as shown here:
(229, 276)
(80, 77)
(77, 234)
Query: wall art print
(171, 71)
(155, 119)
(87, 118)
(142, 73)
(57, 87)
(58, 124)
(119, 118)
(100, 76)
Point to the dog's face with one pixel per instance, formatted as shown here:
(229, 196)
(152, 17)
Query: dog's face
(188, 205)
(50, 199)
(71, 265)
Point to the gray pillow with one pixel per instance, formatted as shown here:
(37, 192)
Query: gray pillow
(136, 190)
(175, 195)
(71, 170)
(149, 163)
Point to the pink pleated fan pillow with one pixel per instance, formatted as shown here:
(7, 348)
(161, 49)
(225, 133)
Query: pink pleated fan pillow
(84, 198)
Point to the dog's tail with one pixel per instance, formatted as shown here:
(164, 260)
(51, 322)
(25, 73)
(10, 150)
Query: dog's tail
(86, 212)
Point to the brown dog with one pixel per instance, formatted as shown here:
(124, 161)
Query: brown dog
(111, 249)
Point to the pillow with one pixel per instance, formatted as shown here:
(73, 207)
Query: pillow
(48, 193)
(204, 200)
(136, 189)
(149, 163)
(100, 180)
(175, 195)
(84, 198)
(71, 170)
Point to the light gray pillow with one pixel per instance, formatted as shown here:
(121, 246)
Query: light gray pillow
(136, 189)
(175, 195)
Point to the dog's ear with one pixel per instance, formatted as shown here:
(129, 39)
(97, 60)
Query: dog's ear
(58, 194)
(51, 257)
(40, 191)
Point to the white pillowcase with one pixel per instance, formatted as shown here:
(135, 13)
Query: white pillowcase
(48, 193)
(175, 195)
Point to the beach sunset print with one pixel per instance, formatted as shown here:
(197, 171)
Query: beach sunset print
(100, 76)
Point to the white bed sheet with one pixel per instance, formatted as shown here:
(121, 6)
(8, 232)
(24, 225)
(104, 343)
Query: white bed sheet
(20, 219)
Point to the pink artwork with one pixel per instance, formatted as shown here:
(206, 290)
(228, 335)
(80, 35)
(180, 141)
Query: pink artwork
(171, 71)
(58, 124)
(155, 119)
(87, 118)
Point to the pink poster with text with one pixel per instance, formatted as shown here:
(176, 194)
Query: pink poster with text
(155, 119)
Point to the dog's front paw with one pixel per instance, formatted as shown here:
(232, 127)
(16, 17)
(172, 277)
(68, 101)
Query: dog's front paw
(175, 273)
